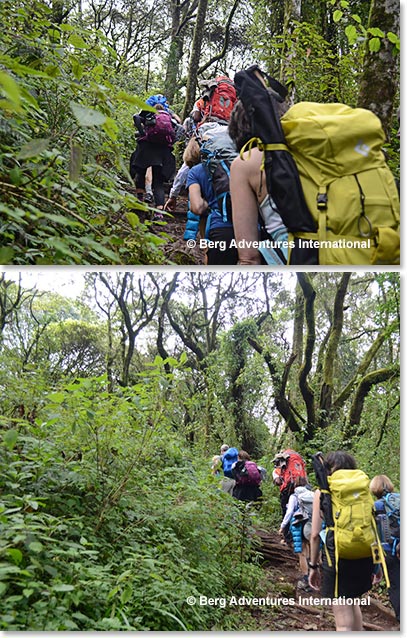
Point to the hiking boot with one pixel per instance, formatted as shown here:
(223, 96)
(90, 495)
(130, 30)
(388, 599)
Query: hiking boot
(303, 585)
(149, 198)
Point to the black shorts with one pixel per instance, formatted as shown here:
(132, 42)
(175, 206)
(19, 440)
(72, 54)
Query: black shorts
(355, 577)
(222, 254)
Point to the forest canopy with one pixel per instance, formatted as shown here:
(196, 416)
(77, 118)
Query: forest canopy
(73, 73)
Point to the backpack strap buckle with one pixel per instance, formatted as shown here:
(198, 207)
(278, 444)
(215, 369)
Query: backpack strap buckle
(322, 198)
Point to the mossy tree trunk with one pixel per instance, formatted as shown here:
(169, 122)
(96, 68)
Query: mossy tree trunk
(380, 79)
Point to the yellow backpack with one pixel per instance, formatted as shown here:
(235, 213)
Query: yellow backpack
(348, 187)
(354, 529)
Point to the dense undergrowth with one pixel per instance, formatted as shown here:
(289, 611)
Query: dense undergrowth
(65, 141)
(109, 523)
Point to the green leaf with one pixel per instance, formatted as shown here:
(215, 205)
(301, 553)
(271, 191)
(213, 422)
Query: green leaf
(86, 116)
(376, 32)
(356, 18)
(77, 41)
(126, 594)
(36, 547)
(33, 147)
(16, 175)
(6, 255)
(392, 37)
(344, 4)
(77, 68)
(10, 89)
(3, 588)
(337, 15)
(10, 439)
(135, 101)
(111, 128)
(374, 45)
(133, 219)
(57, 397)
(63, 587)
(351, 33)
(15, 555)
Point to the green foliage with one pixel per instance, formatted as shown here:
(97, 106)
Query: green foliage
(107, 524)
(64, 184)
(357, 32)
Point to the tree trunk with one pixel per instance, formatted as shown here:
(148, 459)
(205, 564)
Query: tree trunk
(195, 57)
(375, 93)
(373, 378)
(331, 352)
(292, 12)
(306, 391)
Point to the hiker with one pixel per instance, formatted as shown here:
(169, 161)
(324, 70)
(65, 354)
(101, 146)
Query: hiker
(216, 465)
(387, 508)
(336, 576)
(154, 148)
(288, 465)
(323, 164)
(180, 179)
(223, 449)
(204, 214)
(229, 458)
(179, 131)
(297, 520)
(248, 478)
(217, 100)
(251, 202)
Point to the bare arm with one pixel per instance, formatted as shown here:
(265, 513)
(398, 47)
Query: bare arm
(197, 203)
(244, 211)
(314, 575)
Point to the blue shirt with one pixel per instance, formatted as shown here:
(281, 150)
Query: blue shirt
(198, 175)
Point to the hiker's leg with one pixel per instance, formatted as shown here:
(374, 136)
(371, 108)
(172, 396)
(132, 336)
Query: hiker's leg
(347, 617)
(149, 180)
(357, 618)
(393, 568)
(140, 180)
(303, 558)
(158, 186)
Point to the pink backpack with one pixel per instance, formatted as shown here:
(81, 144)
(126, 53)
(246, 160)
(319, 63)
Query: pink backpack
(250, 475)
(159, 129)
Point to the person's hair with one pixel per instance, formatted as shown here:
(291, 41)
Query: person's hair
(159, 107)
(244, 456)
(224, 447)
(192, 153)
(380, 485)
(240, 128)
(300, 481)
(339, 460)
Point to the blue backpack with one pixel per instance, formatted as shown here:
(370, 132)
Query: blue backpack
(388, 519)
(229, 458)
(217, 154)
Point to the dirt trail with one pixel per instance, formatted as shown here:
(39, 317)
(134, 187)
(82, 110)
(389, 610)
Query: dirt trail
(172, 229)
(281, 570)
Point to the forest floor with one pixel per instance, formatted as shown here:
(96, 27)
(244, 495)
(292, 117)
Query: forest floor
(171, 229)
(281, 580)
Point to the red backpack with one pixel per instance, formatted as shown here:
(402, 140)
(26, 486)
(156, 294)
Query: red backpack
(219, 97)
(290, 465)
(159, 129)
